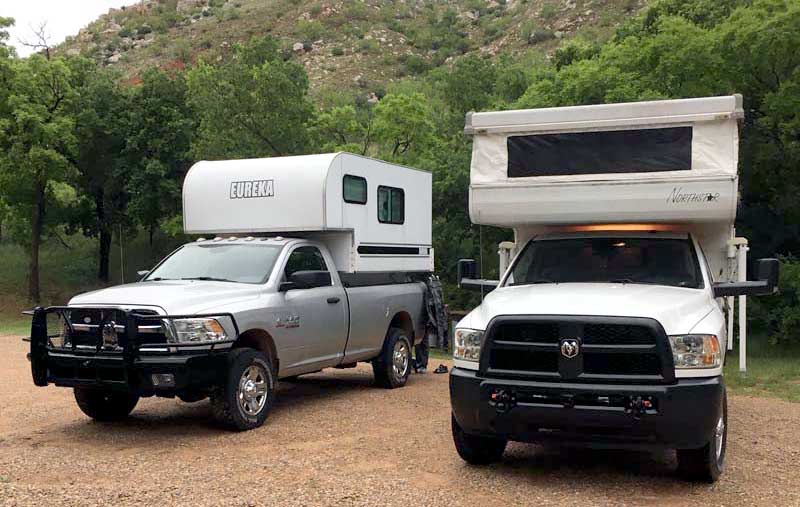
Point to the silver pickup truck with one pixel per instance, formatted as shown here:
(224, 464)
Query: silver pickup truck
(225, 318)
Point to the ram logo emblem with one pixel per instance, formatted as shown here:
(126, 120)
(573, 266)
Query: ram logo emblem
(570, 348)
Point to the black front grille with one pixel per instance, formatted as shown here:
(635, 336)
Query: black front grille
(611, 349)
(81, 329)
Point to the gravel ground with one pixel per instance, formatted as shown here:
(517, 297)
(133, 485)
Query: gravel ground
(333, 439)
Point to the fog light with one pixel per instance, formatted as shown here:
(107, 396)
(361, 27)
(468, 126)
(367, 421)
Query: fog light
(163, 379)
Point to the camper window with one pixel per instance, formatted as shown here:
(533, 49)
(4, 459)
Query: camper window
(354, 189)
(624, 151)
(391, 205)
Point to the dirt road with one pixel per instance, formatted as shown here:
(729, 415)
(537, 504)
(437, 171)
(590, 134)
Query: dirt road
(333, 439)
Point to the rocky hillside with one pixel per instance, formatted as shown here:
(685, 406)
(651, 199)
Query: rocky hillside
(362, 44)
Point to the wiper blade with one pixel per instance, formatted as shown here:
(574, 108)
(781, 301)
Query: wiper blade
(207, 279)
(535, 282)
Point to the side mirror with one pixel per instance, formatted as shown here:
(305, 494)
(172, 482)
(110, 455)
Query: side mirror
(467, 268)
(468, 277)
(769, 270)
(143, 273)
(767, 274)
(306, 280)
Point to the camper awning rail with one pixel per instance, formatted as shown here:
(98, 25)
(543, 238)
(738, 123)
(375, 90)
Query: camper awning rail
(606, 116)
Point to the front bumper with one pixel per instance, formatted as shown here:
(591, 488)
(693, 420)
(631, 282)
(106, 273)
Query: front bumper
(136, 365)
(680, 415)
(191, 372)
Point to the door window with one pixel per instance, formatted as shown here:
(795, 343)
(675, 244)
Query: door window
(305, 258)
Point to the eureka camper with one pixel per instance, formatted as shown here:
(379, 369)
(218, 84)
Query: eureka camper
(608, 326)
(309, 262)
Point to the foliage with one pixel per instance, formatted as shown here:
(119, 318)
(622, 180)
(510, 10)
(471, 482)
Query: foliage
(253, 104)
(37, 141)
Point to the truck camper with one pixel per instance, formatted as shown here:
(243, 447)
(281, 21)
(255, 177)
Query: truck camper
(610, 323)
(305, 263)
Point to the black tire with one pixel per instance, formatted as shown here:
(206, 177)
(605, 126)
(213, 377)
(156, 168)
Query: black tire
(704, 465)
(386, 375)
(477, 450)
(237, 405)
(105, 405)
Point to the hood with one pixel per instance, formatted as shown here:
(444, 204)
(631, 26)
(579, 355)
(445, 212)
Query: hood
(176, 297)
(677, 309)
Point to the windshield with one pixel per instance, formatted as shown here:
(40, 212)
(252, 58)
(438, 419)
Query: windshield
(221, 262)
(658, 261)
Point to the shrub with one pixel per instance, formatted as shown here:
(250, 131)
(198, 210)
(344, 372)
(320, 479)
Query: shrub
(549, 11)
(310, 30)
(337, 51)
(532, 34)
(367, 46)
(779, 315)
(414, 64)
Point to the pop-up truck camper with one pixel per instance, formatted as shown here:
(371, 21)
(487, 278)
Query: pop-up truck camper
(304, 263)
(610, 324)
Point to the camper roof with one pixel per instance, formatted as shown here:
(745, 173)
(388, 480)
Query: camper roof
(658, 161)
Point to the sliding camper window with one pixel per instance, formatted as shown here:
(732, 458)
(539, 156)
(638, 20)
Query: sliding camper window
(354, 189)
(391, 205)
(620, 151)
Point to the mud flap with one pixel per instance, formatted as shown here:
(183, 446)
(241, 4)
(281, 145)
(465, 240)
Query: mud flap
(437, 317)
(38, 353)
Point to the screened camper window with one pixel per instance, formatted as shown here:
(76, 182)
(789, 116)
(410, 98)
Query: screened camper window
(355, 189)
(391, 205)
(621, 151)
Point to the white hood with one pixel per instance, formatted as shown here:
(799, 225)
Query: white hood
(677, 309)
(176, 297)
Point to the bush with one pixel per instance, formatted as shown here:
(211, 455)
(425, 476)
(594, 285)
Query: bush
(779, 315)
(532, 34)
(549, 11)
(337, 51)
(310, 30)
(367, 46)
(415, 64)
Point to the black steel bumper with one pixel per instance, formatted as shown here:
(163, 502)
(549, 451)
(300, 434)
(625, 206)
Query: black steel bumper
(132, 366)
(679, 415)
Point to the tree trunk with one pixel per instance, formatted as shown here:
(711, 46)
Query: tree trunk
(152, 231)
(104, 229)
(37, 224)
(105, 252)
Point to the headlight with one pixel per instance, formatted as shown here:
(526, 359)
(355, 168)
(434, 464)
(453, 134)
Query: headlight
(695, 351)
(467, 344)
(195, 330)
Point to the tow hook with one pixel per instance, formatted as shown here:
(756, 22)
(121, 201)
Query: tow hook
(638, 406)
(502, 400)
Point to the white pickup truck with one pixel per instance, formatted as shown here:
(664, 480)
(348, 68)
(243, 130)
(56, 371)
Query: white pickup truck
(227, 317)
(608, 328)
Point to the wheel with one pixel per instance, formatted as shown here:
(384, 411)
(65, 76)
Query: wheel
(105, 405)
(707, 463)
(477, 450)
(393, 366)
(244, 400)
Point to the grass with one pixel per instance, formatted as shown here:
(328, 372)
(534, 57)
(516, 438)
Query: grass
(15, 326)
(772, 371)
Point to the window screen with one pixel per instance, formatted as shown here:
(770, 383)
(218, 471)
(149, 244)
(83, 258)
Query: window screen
(622, 151)
(391, 205)
(355, 189)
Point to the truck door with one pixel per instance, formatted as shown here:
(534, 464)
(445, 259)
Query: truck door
(317, 330)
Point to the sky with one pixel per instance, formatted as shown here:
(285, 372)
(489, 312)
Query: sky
(63, 18)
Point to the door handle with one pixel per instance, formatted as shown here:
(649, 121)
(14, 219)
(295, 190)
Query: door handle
(333, 300)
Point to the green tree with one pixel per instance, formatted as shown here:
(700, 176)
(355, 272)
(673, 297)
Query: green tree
(255, 104)
(101, 109)
(402, 122)
(161, 130)
(37, 139)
